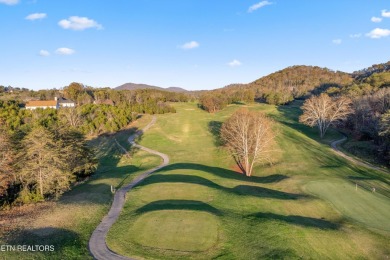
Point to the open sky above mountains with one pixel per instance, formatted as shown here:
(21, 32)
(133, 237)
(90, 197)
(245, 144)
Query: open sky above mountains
(194, 44)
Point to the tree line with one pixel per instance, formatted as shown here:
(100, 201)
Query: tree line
(39, 157)
(44, 151)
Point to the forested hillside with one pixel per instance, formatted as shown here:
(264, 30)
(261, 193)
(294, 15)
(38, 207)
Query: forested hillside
(376, 68)
(368, 90)
(296, 82)
(278, 88)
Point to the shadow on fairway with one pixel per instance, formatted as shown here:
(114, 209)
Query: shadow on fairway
(225, 173)
(215, 128)
(241, 190)
(296, 220)
(178, 205)
(95, 191)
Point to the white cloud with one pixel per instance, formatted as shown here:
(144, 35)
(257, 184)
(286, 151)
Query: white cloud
(386, 13)
(190, 45)
(44, 53)
(79, 23)
(235, 63)
(337, 41)
(378, 33)
(36, 16)
(356, 35)
(376, 19)
(258, 6)
(65, 51)
(9, 2)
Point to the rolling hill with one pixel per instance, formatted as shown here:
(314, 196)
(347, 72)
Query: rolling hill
(134, 86)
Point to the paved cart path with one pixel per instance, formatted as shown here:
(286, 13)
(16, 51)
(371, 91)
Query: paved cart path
(97, 243)
(334, 145)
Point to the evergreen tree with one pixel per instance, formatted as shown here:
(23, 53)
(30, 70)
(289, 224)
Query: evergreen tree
(43, 168)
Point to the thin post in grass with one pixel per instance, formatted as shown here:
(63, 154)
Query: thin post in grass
(112, 189)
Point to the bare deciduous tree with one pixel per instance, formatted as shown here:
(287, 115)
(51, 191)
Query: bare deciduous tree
(249, 137)
(323, 111)
(70, 116)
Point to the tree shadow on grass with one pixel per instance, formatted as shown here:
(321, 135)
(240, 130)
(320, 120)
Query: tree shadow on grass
(64, 241)
(215, 128)
(225, 173)
(95, 191)
(261, 192)
(240, 190)
(178, 205)
(296, 220)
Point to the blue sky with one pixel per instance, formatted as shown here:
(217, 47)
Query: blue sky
(194, 44)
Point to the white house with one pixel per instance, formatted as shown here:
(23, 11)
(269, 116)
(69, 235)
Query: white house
(65, 102)
(56, 103)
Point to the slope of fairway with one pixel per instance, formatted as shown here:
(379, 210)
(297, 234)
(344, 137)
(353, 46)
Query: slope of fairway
(366, 207)
(200, 207)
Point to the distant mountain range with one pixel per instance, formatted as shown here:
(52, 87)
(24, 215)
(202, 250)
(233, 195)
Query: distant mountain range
(298, 79)
(134, 86)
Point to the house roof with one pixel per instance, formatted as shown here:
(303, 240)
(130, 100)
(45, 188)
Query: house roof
(41, 103)
(63, 100)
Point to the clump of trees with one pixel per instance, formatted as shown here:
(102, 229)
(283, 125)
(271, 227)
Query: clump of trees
(41, 161)
(323, 111)
(249, 137)
(213, 101)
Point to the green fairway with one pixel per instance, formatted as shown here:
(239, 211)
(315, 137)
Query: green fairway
(183, 230)
(200, 207)
(366, 207)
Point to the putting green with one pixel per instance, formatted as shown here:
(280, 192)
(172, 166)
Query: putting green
(368, 208)
(179, 230)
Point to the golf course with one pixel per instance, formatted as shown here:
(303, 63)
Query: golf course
(308, 201)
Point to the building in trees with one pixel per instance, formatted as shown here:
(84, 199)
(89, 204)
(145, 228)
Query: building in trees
(63, 102)
(56, 103)
(34, 104)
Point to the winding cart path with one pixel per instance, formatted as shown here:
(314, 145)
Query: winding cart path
(334, 145)
(97, 243)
